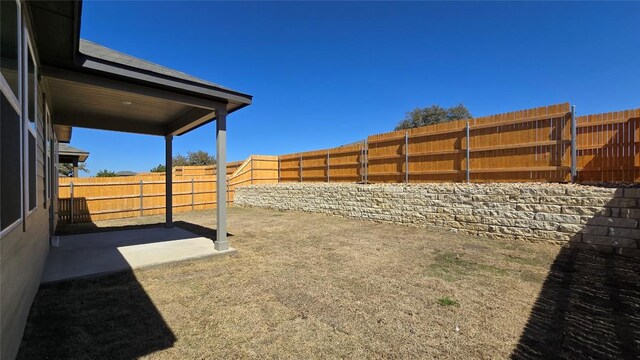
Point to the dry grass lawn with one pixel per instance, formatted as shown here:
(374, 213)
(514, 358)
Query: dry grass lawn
(302, 286)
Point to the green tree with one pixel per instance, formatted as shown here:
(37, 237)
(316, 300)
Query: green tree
(193, 158)
(159, 168)
(106, 173)
(433, 114)
(200, 158)
(66, 169)
(180, 160)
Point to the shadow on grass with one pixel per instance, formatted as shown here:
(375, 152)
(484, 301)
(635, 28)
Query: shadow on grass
(589, 307)
(109, 317)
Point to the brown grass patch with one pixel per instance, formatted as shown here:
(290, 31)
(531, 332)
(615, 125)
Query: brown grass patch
(302, 286)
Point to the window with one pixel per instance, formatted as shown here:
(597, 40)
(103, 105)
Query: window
(11, 117)
(54, 164)
(10, 50)
(48, 142)
(10, 160)
(31, 90)
(32, 174)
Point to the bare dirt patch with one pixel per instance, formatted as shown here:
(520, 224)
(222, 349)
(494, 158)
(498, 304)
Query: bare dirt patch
(306, 286)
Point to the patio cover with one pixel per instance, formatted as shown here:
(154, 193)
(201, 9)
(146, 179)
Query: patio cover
(91, 86)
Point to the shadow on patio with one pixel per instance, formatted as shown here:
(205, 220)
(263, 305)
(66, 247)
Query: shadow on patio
(91, 227)
(109, 316)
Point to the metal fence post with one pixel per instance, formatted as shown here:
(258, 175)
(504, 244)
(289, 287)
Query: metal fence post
(406, 157)
(574, 150)
(228, 195)
(360, 167)
(71, 202)
(193, 206)
(366, 161)
(467, 148)
(361, 164)
(278, 168)
(141, 200)
(328, 178)
(251, 169)
(300, 166)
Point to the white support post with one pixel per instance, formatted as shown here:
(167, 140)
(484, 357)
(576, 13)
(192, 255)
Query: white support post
(168, 141)
(221, 243)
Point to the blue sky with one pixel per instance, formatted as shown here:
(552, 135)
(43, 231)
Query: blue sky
(326, 74)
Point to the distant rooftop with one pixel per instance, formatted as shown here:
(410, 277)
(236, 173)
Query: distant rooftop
(68, 151)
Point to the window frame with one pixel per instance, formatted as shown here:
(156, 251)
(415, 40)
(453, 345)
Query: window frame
(26, 122)
(16, 103)
(48, 144)
(15, 99)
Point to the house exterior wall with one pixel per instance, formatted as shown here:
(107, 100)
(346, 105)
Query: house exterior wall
(24, 246)
(23, 254)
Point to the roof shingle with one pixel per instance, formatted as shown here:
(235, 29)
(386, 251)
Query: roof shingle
(94, 50)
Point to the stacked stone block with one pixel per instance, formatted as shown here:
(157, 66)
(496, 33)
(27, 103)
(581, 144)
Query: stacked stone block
(587, 216)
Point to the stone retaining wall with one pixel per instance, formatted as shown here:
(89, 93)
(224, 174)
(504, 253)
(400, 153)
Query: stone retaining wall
(589, 216)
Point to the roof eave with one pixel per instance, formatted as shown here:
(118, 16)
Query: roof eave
(127, 73)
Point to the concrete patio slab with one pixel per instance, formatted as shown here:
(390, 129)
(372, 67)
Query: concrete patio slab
(83, 255)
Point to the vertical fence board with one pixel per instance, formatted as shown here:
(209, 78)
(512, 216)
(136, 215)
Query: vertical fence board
(607, 146)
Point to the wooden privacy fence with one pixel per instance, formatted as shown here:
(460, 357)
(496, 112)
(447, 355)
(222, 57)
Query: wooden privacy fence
(92, 199)
(607, 146)
(257, 169)
(519, 146)
(342, 164)
(526, 145)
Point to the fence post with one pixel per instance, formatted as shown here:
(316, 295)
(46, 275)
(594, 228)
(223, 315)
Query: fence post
(300, 166)
(141, 200)
(366, 161)
(278, 169)
(574, 150)
(361, 165)
(228, 194)
(406, 157)
(467, 151)
(192, 196)
(251, 168)
(328, 178)
(71, 202)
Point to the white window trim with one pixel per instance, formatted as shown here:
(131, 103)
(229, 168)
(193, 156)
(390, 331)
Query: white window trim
(27, 48)
(15, 102)
(48, 153)
(6, 89)
(4, 85)
(10, 228)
